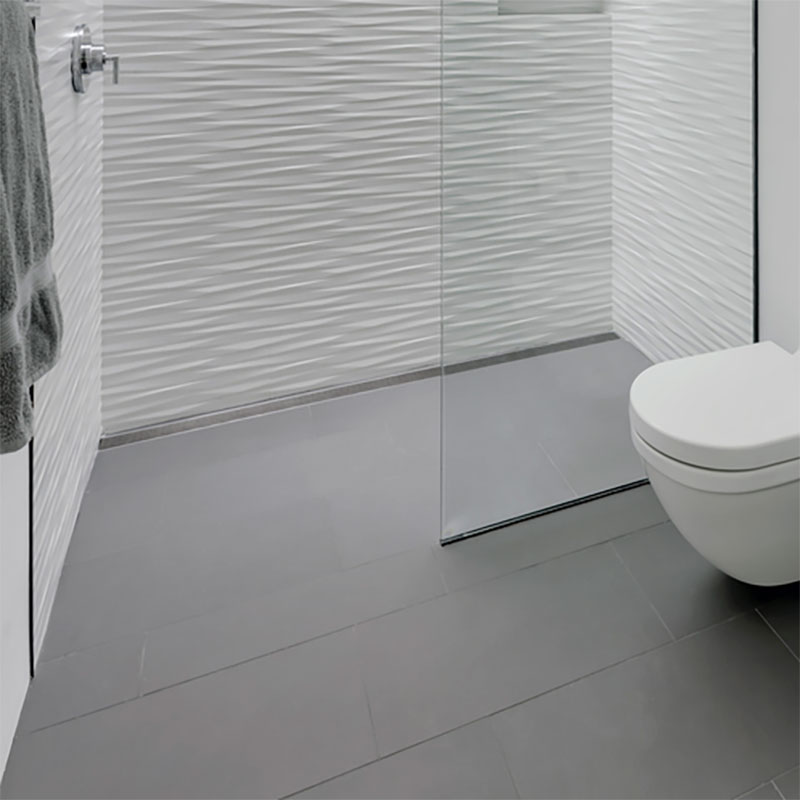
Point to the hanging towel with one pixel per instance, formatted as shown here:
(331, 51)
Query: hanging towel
(30, 316)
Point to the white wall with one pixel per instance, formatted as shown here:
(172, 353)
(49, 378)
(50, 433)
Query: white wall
(13, 594)
(527, 178)
(272, 194)
(779, 171)
(67, 400)
(272, 200)
(67, 413)
(683, 210)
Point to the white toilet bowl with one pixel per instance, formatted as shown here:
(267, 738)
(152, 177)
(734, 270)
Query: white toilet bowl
(719, 435)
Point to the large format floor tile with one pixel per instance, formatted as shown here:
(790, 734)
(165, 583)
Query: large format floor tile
(532, 541)
(197, 480)
(481, 490)
(523, 435)
(263, 729)
(688, 592)
(191, 571)
(709, 716)
(374, 460)
(588, 433)
(83, 682)
(781, 614)
(206, 643)
(441, 664)
(202, 640)
(466, 763)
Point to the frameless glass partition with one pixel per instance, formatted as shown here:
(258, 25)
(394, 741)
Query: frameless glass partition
(597, 217)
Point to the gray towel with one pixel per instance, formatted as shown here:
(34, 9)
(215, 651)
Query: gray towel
(30, 316)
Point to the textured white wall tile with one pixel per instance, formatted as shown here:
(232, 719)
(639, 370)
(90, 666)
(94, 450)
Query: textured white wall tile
(683, 205)
(272, 195)
(68, 398)
(527, 179)
(272, 200)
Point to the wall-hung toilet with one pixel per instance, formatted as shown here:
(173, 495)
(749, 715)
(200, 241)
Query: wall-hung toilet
(719, 435)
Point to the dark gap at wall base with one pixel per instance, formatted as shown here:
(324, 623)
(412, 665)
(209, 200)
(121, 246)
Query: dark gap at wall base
(304, 398)
(578, 501)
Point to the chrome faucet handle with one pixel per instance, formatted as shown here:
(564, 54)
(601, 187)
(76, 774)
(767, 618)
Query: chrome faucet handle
(115, 61)
(87, 57)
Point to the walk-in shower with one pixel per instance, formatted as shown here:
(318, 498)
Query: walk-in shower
(597, 196)
(507, 204)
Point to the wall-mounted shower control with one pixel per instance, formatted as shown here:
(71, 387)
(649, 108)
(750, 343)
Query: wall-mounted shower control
(88, 57)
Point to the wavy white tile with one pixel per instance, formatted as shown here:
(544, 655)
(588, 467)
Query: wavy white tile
(683, 167)
(67, 400)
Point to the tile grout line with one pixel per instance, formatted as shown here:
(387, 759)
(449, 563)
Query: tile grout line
(557, 469)
(488, 716)
(779, 637)
(758, 786)
(140, 677)
(499, 711)
(446, 592)
(504, 756)
(643, 592)
(246, 600)
(434, 547)
(363, 681)
(442, 578)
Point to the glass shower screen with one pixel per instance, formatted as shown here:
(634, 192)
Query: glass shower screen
(597, 217)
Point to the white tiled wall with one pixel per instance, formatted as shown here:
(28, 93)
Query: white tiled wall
(272, 206)
(683, 193)
(68, 398)
(272, 189)
(272, 194)
(527, 179)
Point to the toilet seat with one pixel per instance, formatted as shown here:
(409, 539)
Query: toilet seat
(735, 410)
(738, 481)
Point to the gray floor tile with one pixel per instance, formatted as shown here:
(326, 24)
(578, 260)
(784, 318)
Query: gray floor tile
(596, 459)
(167, 456)
(263, 729)
(517, 546)
(389, 512)
(766, 791)
(493, 465)
(574, 403)
(449, 661)
(783, 617)
(402, 411)
(589, 433)
(687, 591)
(489, 477)
(203, 644)
(708, 716)
(387, 431)
(199, 492)
(192, 570)
(375, 460)
(789, 784)
(77, 684)
(466, 763)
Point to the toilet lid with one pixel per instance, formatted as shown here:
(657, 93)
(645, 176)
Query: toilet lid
(733, 409)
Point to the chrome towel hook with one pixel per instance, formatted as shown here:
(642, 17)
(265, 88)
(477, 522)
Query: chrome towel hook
(87, 58)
